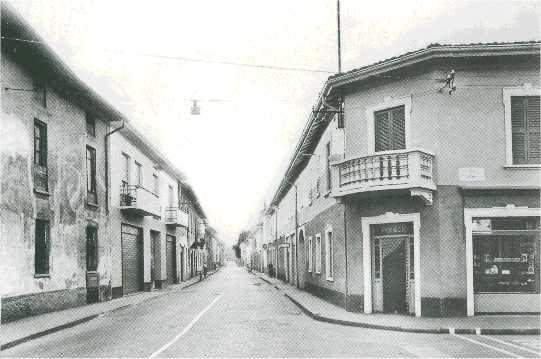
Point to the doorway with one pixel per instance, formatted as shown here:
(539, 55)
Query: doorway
(301, 260)
(393, 274)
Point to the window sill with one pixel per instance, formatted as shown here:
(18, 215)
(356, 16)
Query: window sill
(41, 192)
(42, 275)
(326, 194)
(330, 279)
(522, 167)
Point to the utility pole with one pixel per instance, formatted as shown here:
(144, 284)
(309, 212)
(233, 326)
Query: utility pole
(339, 48)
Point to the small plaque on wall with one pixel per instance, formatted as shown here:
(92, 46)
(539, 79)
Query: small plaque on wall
(471, 174)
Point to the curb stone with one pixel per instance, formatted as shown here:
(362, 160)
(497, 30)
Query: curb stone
(76, 322)
(485, 331)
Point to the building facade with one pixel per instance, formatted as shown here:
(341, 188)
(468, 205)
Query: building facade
(414, 187)
(89, 209)
(54, 242)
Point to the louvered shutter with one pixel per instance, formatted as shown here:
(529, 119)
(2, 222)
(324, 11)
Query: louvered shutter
(518, 124)
(398, 124)
(525, 124)
(533, 120)
(382, 129)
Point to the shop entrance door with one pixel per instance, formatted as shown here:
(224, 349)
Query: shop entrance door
(394, 275)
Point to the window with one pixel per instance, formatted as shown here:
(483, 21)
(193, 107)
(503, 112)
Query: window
(171, 196)
(90, 125)
(42, 246)
(127, 174)
(91, 175)
(40, 143)
(525, 124)
(156, 184)
(40, 92)
(390, 129)
(329, 257)
(318, 253)
(328, 165)
(504, 262)
(91, 248)
(139, 174)
(309, 252)
(40, 155)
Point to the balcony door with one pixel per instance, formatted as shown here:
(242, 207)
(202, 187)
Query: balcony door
(390, 129)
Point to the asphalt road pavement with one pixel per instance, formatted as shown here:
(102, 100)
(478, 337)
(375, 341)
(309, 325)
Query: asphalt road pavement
(235, 314)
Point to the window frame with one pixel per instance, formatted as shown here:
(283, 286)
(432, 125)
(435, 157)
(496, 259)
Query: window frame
(139, 174)
(329, 254)
(45, 271)
(508, 92)
(40, 153)
(127, 169)
(90, 120)
(318, 254)
(328, 173)
(388, 104)
(93, 190)
(39, 87)
(156, 188)
(310, 264)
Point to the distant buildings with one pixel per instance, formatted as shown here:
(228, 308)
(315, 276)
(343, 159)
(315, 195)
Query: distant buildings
(414, 187)
(90, 210)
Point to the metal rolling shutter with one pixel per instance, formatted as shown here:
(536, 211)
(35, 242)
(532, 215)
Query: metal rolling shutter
(132, 259)
(170, 259)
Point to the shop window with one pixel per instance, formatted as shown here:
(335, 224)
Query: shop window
(91, 248)
(42, 247)
(505, 264)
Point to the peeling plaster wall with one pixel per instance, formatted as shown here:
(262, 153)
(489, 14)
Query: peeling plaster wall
(65, 206)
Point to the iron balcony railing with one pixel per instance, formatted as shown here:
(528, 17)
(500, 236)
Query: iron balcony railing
(139, 200)
(381, 171)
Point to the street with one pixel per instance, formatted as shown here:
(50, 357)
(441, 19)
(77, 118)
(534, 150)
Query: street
(235, 314)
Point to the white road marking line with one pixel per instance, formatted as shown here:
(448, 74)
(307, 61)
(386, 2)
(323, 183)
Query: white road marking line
(488, 346)
(185, 330)
(511, 344)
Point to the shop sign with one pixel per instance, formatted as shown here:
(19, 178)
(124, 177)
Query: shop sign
(388, 229)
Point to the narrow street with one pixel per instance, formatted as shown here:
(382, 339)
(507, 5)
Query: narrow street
(235, 314)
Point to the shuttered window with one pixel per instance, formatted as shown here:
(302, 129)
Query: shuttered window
(390, 129)
(525, 123)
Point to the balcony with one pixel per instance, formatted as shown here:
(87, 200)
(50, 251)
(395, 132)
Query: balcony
(175, 216)
(139, 201)
(391, 170)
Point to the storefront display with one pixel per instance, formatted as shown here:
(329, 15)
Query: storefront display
(506, 255)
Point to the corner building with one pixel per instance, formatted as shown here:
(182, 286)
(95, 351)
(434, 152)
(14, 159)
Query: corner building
(426, 200)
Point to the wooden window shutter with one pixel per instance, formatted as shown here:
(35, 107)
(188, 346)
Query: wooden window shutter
(525, 124)
(398, 128)
(382, 135)
(533, 121)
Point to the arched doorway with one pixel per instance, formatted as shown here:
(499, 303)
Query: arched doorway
(301, 259)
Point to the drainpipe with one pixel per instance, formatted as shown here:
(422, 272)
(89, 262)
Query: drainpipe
(106, 139)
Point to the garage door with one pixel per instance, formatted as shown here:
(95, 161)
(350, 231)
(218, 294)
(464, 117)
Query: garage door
(171, 257)
(132, 259)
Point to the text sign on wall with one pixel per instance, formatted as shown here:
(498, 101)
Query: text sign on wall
(471, 174)
(393, 229)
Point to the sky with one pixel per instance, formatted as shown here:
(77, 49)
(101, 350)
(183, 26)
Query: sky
(135, 54)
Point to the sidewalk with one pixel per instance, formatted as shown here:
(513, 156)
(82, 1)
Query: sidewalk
(321, 310)
(20, 331)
